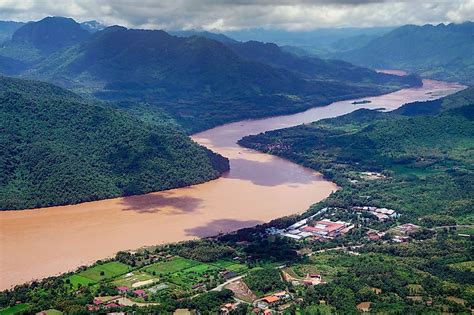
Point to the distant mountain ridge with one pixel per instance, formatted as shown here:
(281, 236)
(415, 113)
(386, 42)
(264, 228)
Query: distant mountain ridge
(200, 82)
(7, 28)
(443, 51)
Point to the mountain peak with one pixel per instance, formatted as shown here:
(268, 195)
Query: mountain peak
(50, 34)
(92, 26)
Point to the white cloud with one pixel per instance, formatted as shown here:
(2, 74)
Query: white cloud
(237, 14)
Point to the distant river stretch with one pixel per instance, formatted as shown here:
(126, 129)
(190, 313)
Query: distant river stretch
(259, 187)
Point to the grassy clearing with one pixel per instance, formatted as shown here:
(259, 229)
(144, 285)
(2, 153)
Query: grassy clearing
(171, 266)
(78, 280)
(191, 276)
(110, 270)
(419, 172)
(463, 266)
(137, 277)
(230, 265)
(14, 309)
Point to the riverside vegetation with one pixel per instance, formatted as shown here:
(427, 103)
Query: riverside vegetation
(430, 274)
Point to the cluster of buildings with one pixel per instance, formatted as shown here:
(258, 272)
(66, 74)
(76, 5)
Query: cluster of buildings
(404, 231)
(126, 290)
(382, 214)
(318, 230)
(103, 303)
(272, 300)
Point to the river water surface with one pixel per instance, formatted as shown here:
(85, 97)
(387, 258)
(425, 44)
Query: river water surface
(259, 187)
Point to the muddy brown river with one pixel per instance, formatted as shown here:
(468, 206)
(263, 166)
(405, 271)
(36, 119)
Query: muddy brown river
(259, 187)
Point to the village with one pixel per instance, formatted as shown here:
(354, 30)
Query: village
(163, 275)
(326, 229)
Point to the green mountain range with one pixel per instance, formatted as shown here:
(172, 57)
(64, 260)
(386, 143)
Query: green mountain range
(60, 149)
(443, 52)
(200, 82)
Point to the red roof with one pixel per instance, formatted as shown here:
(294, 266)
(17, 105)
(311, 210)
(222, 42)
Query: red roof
(330, 226)
(324, 226)
(312, 229)
(97, 301)
(139, 292)
(123, 288)
(270, 299)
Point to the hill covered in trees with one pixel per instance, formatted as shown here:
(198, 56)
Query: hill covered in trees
(426, 156)
(443, 51)
(199, 81)
(59, 149)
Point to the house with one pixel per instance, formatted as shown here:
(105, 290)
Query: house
(373, 236)
(227, 308)
(229, 275)
(401, 239)
(364, 306)
(123, 289)
(197, 286)
(97, 301)
(408, 228)
(380, 216)
(271, 299)
(140, 293)
(92, 308)
(281, 295)
(111, 305)
(265, 302)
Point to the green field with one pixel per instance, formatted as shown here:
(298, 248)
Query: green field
(77, 280)
(171, 266)
(137, 276)
(191, 276)
(230, 265)
(14, 309)
(110, 269)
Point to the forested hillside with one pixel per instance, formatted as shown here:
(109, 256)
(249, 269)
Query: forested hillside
(442, 52)
(316, 68)
(59, 149)
(426, 156)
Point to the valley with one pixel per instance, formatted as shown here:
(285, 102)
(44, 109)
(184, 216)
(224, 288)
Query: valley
(258, 188)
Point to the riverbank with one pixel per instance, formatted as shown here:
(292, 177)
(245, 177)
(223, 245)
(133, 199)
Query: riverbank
(258, 188)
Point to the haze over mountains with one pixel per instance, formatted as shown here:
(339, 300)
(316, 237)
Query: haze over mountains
(214, 82)
(443, 52)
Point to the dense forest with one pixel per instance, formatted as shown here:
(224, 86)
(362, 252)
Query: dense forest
(425, 155)
(60, 149)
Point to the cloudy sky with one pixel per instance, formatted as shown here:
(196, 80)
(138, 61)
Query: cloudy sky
(226, 15)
